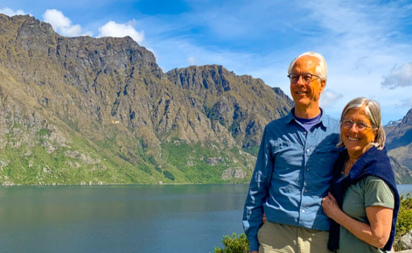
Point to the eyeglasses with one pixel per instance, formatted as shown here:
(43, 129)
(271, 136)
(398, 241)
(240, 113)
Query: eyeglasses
(306, 77)
(361, 126)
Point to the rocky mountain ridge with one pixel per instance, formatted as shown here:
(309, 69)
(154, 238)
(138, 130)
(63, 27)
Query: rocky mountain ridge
(399, 141)
(98, 111)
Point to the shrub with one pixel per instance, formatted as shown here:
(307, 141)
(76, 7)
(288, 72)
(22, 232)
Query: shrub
(234, 244)
(169, 175)
(404, 223)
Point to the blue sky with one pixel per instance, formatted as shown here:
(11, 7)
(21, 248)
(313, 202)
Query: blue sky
(367, 44)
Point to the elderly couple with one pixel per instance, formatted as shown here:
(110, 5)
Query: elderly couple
(322, 185)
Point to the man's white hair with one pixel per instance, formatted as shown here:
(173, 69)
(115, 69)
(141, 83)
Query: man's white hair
(321, 69)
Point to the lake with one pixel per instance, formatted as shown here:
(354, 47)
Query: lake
(158, 218)
(132, 218)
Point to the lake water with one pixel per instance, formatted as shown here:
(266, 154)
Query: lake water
(171, 218)
(161, 218)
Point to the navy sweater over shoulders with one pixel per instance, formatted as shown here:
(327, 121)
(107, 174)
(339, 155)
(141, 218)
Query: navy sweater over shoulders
(376, 163)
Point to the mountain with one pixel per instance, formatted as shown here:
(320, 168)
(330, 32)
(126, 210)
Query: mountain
(403, 175)
(100, 111)
(399, 140)
(393, 123)
(241, 104)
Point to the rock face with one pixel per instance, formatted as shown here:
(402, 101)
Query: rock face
(399, 140)
(405, 243)
(241, 104)
(402, 173)
(76, 110)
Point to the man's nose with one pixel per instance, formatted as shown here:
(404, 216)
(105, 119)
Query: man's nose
(300, 80)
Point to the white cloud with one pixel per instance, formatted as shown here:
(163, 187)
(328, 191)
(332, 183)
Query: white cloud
(329, 99)
(63, 25)
(10, 12)
(56, 19)
(191, 60)
(400, 76)
(113, 29)
(406, 103)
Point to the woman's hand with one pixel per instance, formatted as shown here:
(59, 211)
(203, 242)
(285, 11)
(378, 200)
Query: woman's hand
(264, 219)
(330, 206)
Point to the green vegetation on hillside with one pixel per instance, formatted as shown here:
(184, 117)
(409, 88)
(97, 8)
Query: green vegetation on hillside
(201, 162)
(47, 160)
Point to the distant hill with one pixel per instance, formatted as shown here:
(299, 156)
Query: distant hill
(393, 123)
(100, 111)
(403, 175)
(399, 140)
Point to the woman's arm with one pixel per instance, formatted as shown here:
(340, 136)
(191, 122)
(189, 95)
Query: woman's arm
(375, 234)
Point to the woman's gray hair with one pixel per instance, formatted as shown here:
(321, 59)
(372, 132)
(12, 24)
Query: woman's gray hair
(321, 69)
(373, 111)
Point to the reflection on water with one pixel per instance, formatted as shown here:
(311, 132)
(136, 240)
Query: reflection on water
(184, 218)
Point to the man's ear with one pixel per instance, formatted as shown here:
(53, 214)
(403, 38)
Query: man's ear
(322, 86)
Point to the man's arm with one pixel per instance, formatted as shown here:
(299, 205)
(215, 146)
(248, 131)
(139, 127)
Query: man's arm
(258, 191)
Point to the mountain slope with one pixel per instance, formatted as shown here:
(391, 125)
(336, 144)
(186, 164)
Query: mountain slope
(242, 104)
(99, 111)
(399, 140)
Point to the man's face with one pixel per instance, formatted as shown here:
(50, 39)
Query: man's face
(306, 94)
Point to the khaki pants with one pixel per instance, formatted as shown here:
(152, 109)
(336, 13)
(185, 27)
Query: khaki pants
(280, 238)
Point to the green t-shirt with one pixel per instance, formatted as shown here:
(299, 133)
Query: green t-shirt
(369, 191)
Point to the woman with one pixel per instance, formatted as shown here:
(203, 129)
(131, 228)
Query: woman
(364, 202)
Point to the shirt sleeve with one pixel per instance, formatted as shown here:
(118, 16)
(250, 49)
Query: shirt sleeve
(258, 191)
(378, 193)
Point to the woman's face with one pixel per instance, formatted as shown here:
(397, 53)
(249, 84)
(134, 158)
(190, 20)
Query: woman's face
(357, 141)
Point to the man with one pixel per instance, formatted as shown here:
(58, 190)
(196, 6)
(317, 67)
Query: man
(294, 169)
